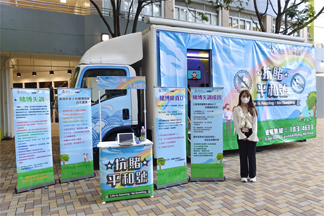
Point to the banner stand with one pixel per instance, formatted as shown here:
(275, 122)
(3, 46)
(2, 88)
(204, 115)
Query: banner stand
(34, 187)
(206, 145)
(75, 134)
(166, 186)
(77, 178)
(207, 179)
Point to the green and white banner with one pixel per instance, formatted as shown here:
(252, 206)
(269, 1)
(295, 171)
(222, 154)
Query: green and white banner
(206, 134)
(33, 141)
(75, 134)
(170, 139)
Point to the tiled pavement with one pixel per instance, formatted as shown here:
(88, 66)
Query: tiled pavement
(290, 181)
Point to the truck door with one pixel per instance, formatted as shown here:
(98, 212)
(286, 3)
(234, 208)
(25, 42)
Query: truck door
(198, 65)
(115, 104)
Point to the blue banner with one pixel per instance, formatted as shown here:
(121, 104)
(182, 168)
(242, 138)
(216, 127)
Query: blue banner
(206, 133)
(170, 135)
(126, 172)
(75, 133)
(33, 141)
(281, 78)
(121, 82)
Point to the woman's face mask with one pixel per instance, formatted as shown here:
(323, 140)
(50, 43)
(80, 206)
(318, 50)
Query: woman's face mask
(245, 100)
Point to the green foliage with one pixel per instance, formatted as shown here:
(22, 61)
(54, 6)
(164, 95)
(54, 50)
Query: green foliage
(219, 156)
(226, 4)
(311, 100)
(65, 157)
(160, 161)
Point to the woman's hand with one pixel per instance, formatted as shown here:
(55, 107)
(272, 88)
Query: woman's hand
(245, 139)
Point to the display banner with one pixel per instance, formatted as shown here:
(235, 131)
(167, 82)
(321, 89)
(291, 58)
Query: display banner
(76, 157)
(126, 172)
(121, 82)
(206, 134)
(33, 141)
(281, 78)
(170, 136)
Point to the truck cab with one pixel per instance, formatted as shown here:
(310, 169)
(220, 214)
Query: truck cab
(119, 108)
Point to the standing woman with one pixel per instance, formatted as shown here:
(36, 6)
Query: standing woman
(246, 125)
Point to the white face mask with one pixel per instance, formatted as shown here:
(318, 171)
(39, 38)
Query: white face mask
(245, 100)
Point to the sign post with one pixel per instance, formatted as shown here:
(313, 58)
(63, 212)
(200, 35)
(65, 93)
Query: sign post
(33, 139)
(75, 134)
(206, 134)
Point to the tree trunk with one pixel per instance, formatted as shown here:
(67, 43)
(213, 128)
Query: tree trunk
(221, 160)
(63, 162)
(314, 110)
(160, 166)
(138, 12)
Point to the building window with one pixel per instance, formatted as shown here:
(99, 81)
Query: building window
(242, 24)
(182, 13)
(148, 10)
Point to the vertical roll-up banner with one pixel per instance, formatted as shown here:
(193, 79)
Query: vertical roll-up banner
(33, 141)
(170, 138)
(75, 134)
(206, 112)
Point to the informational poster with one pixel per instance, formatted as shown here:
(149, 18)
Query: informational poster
(281, 78)
(126, 172)
(206, 134)
(75, 134)
(170, 136)
(33, 141)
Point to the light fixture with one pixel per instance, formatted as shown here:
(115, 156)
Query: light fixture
(322, 61)
(69, 71)
(104, 37)
(63, 1)
(51, 71)
(34, 73)
(18, 74)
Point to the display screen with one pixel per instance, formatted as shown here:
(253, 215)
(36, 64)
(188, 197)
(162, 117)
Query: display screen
(194, 74)
(126, 138)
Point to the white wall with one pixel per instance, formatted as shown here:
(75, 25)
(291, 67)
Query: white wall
(319, 57)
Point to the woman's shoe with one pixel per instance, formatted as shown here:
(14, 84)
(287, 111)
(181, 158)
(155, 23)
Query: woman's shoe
(244, 180)
(252, 179)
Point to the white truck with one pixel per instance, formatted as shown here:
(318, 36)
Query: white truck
(168, 53)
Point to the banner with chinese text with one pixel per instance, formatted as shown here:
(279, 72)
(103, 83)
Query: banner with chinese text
(170, 136)
(76, 155)
(33, 139)
(281, 78)
(206, 135)
(126, 172)
(121, 82)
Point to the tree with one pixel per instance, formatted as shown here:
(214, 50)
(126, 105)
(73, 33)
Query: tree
(160, 162)
(137, 5)
(312, 101)
(291, 16)
(65, 158)
(220, 157)
(226, 4)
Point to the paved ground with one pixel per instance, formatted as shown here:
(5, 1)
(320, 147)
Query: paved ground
(290, 181)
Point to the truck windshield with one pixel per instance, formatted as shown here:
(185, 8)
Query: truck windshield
(89, 80)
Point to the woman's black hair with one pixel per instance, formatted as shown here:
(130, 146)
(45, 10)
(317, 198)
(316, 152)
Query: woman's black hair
(250, 103)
